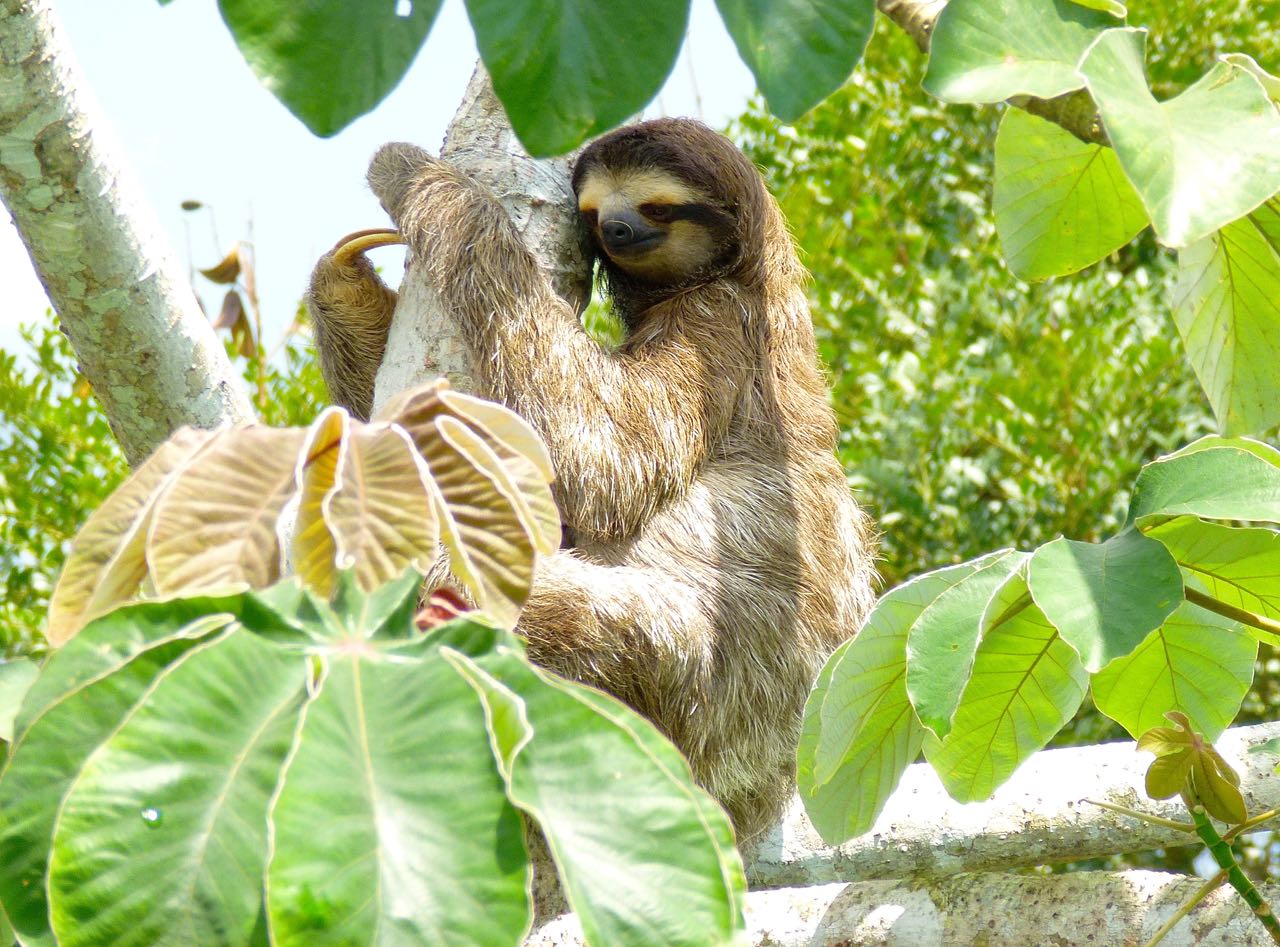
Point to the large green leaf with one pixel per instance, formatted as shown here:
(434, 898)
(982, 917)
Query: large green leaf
(1228, 314)
(1197, 662)
(860, 731)
(81, 696)
(1217, 483)
(1199, 160)
(614, 800)
(569, 69)
(16, 678)
(943, 639)
(800, 51)
(1060, 205)
(1104, 598)
(990, 50)
(163, 836)
(393, 825)
(1026, 684)
(328, 61)
(1236, 565)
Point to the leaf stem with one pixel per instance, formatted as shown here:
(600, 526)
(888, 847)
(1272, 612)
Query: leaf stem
(1243, 615)
(1201, 893)
(1152, 819)
(1220, 849)
(1250, 825)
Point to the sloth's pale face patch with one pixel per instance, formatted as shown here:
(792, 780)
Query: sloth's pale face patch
(649, 223)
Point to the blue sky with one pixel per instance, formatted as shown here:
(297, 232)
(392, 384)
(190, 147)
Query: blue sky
(192, 122)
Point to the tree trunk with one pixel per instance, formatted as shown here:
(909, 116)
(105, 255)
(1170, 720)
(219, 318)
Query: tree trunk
(122, 300)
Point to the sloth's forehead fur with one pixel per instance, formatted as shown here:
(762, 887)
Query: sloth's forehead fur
(603, 189)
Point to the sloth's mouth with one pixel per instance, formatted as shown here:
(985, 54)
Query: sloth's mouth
(637, 247)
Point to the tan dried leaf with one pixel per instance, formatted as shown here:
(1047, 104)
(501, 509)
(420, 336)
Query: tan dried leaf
(107, 562)
(314, 549)
(227, 270)
(380, 517)
(217, 522)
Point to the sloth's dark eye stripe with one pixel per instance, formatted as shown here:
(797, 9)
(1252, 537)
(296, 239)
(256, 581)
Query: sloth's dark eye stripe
(699, 213)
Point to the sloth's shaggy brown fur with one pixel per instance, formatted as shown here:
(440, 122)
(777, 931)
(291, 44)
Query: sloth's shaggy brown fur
(715, 555)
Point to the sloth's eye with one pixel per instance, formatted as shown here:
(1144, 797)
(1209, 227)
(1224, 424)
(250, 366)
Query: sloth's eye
(659, 212)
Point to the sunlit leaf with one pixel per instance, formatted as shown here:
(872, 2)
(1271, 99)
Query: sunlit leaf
(1167, 776)
(976, 53)
(800, 51)
(1228, 314)
(1197, 662)
(569, 69)
(329, 61)
(16, 678)
(1221, 483)
(1104, 598)
(1199, 160)
(314, 548)
(1060, 205)
(216, 522)
(1216, 786)
(107, 561)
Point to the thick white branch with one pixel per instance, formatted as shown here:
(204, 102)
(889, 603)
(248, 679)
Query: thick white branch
(424, 342)
(130, 314)
(1038, 817)
(1091, 907)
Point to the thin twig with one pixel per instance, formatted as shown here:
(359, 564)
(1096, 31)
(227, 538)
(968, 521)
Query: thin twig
(1202, 892)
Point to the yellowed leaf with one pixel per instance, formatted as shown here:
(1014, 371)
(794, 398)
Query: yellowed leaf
(314, 549)
(227, 270)
(217, 522)
(107, 562)
(380, 517)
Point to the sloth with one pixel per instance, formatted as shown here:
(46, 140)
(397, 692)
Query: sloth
(714, 556)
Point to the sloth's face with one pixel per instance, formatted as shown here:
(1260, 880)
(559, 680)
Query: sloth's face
(651, 224)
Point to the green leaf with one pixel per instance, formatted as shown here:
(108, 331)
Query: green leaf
(1026, 684)
(1237, 565)
(1228, 314)
(989, 50)
(181, 789)
(942, 641)
(1217, 483)
(16, 678)
(1104, 598)
(1199, 160)
(860, 731)
(328, 61)
(1252, 445)
(614, 800)
(85, 691)
(800, 51)
(392, 822)
(1196, 662)
(569, 69)
(1060, 205)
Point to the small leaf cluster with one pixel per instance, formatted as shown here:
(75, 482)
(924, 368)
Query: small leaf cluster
(241, 767)
(981, 664)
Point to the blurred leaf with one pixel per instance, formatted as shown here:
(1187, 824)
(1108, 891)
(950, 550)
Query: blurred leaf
(418, 837)
(1267, 746)
(328, 61)
(1025, 685)
(1270, 84)
(106, 563)
(605, 822)
(225, 272)
(16, 678)
(800, 51)
(232, 311)
(182, 786)
(1220, 483)
(942, 640)
(1060, 205)
(1199, 160)
(1104, 598)
(1114, 7)
(1197, 662)
(1228, 314)
(989, 50)
(566, 70)
(215, 524)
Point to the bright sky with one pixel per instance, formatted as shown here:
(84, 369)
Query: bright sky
(194, 123)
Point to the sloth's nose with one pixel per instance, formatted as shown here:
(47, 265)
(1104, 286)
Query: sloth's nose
(616, 233)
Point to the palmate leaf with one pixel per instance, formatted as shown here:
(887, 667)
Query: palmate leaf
(1228, 314)
(978, 55)
(1060, 205)
(328, 61)
(1197, 662)
(1026, 683)
(800, 51)
(1199, 160)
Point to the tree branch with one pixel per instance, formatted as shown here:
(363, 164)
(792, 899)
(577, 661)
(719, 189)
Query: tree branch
(134, 323)
(1074, 111)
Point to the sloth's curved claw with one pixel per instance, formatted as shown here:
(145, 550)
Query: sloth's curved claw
(354, 244)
